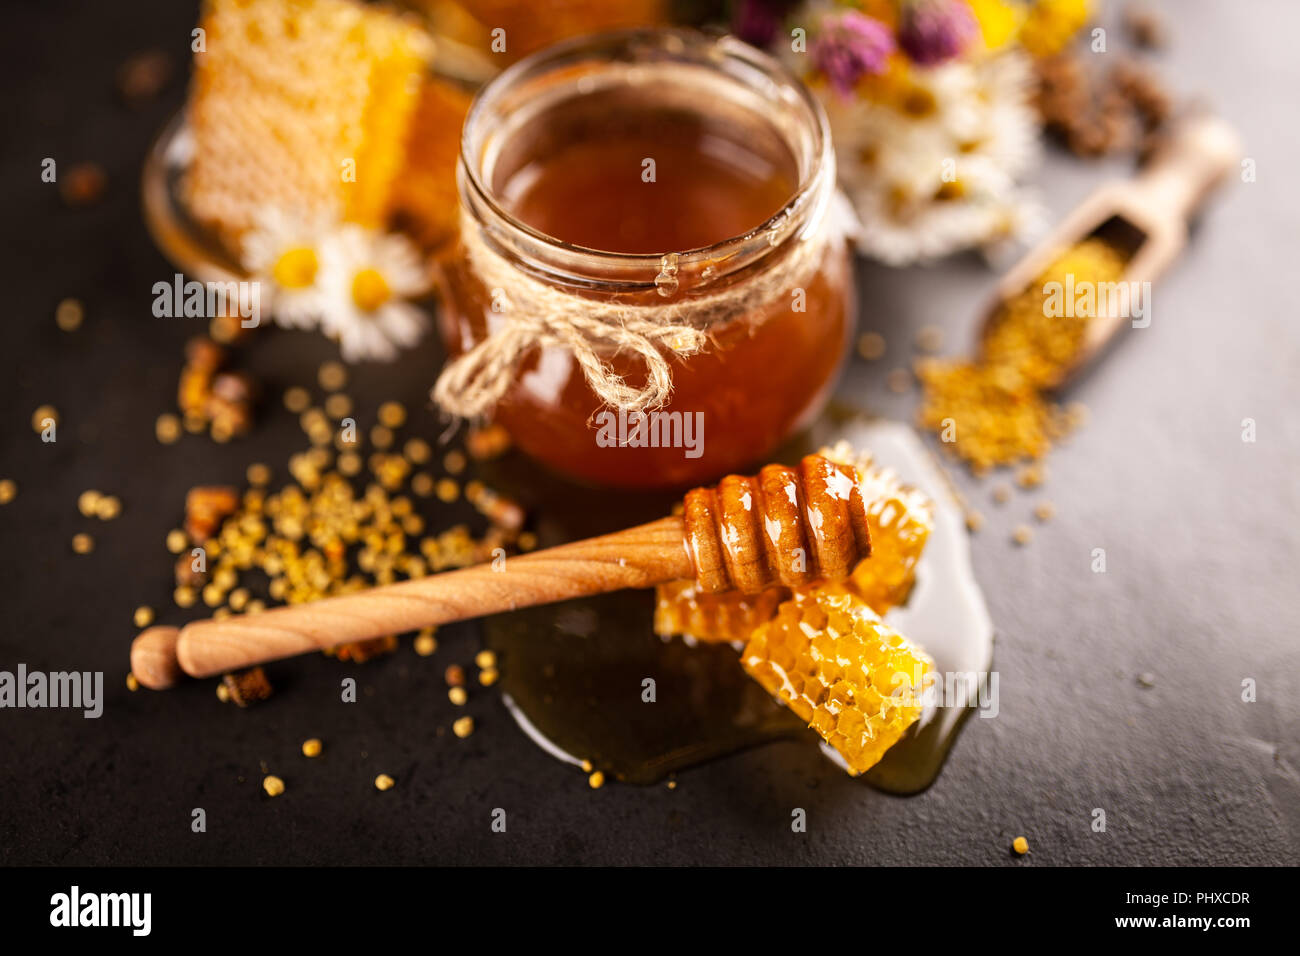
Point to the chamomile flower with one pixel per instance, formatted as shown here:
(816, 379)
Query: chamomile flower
(283, 253)
(367, 279)
(931, 164)
(1009, 130)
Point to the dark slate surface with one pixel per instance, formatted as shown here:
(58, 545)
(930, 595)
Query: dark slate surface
(1199, 529)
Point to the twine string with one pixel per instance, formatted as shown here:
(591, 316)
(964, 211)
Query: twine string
(538, 315)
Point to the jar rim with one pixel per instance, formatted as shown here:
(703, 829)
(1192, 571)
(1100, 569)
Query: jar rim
(556, 259)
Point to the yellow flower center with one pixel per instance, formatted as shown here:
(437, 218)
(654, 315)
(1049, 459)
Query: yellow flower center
(370, 290)
(954, 189)
(918, 102)
(295, 269)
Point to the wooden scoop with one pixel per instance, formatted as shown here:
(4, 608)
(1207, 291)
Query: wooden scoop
(786, 526)
(1145, 216)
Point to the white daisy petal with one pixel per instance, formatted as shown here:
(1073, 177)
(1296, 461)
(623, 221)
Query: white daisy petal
(402, 323)
(274, 234)
(391, 271)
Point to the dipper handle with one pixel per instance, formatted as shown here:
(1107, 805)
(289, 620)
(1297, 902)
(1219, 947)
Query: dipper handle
(788, 526)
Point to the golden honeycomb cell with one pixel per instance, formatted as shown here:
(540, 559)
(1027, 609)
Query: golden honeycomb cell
(681, 608)
(900, 518)
(424, 195)
(828, 657)
(301, 105)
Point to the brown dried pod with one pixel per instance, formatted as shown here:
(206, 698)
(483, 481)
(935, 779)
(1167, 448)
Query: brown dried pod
(201, 352)
(486, 442)
(234, 387)
(358, 652)
(83, 184)
(247, 687)
(144, 75)
(185, 574)
(193, 391)
(206, 507)
(1145, 26)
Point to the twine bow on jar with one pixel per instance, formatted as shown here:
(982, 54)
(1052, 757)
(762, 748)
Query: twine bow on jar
(538, 315)
(472, 384)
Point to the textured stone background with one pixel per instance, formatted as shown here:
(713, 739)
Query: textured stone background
(1199, 530)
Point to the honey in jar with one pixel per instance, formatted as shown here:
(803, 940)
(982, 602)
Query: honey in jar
(651, 286)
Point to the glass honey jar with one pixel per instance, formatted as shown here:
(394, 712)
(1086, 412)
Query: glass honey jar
(652, 284)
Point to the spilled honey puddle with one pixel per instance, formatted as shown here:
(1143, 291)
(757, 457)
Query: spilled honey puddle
(575, 674)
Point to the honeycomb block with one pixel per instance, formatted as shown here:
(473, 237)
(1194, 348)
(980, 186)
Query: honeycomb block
(681, 608)
(900, 518)
(828, 657)
(301, 105)
(424, 195)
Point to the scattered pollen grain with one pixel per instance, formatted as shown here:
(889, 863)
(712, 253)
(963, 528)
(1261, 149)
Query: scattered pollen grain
(425, 643)
(871, 345)
(69, 314)
(43, 415)
(332, 376)
(167, 428)
(297, 399)
(899, 381)
(929, 339)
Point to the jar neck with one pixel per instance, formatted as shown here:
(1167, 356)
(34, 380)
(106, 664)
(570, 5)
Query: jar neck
(715, 77)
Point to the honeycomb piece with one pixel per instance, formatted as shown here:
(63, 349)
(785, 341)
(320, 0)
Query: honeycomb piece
(424, 195)
(681, 608)
(900, 518)
(289, 96)
(831, 660)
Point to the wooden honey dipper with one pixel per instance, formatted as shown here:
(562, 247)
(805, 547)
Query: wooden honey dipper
(789, 526)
